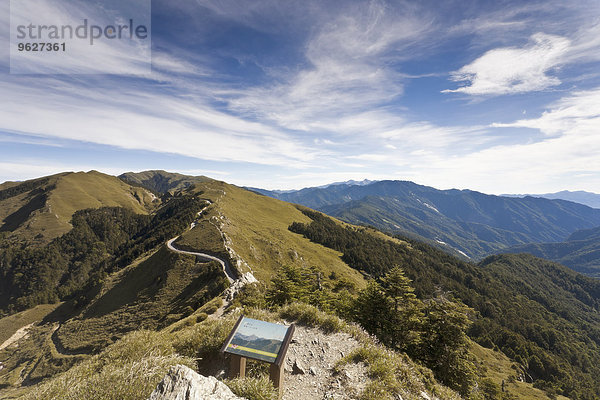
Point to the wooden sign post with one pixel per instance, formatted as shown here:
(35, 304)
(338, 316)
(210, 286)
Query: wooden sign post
(259, 340)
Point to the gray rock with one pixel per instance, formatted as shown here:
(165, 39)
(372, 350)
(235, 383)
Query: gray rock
(313, 371)
(182, 383)
(298, 368)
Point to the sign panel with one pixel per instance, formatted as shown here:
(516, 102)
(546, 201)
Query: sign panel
(257, 339)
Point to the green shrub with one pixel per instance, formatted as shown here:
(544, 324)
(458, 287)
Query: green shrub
(201, 317)
(312, 316)
(253, 388)
(204, 338)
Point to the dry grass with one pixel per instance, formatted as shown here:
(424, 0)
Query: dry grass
(495, 366)
(128, 370)
(258, 229)
(9, 325)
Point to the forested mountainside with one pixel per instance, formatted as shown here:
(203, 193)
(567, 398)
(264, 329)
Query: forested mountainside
(464, 222)
(541, 314)
(581, 251)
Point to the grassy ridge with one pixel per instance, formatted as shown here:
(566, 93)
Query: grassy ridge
(257, 228)
(40, 210)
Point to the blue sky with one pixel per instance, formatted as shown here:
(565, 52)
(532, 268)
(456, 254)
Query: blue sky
(495, 96)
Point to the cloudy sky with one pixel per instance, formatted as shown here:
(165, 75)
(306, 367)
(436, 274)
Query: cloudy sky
(495, 96)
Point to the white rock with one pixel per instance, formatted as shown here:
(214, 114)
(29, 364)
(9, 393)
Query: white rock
(182, 383)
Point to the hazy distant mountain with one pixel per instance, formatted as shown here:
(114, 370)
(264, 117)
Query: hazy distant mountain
(581, 251)
(468, 222)
(345, 183)
(579, 196)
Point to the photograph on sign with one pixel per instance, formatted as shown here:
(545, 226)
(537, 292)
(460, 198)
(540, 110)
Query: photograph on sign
(257, 339)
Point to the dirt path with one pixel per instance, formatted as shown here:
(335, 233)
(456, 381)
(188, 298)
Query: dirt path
(231, 275)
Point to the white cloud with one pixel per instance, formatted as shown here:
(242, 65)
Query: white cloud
(105, 56)
(514, 70)
(135, 119)
(347, 71)
(575, 115)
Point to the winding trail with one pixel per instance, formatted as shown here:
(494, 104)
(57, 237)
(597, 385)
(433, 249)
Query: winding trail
(229, 272)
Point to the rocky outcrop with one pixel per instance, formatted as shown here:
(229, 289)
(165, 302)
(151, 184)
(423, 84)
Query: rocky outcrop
(236, 285)
(182, 383)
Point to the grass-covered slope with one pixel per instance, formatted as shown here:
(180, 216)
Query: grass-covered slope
(115, 275)
(132, 367)
(150, 294)
(256, 231)
(118, 278)
(40, 210)
(101, 241)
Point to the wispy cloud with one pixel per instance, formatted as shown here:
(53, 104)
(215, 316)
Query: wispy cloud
(514, 70)
(135, 119)
(347, 70)
(575, 115)
(105, 56)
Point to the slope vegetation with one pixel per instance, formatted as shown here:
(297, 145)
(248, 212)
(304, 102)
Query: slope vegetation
(116, 276)
(40, 210)
(541, 314)
(581, 251)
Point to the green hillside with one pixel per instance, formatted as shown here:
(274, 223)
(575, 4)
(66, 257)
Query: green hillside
(115, 276)
(40, 210)
(541, 314)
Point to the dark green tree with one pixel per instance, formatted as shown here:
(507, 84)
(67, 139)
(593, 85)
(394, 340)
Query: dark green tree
(404, 315)
(444, 347)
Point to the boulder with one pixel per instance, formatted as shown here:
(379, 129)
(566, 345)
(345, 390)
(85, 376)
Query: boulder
(183, 383)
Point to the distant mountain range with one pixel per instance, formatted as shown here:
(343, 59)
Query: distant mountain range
(465, 222)
(587, 198)
(581, 251)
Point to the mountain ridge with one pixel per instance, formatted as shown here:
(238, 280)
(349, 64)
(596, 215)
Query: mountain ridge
(578, 196)
(464, 220)
(40, 210)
